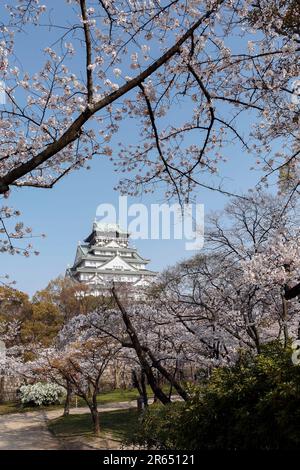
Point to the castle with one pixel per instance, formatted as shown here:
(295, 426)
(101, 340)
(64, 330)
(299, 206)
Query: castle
(105, 258)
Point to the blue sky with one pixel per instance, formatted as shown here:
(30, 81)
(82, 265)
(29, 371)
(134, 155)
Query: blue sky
(66, 212)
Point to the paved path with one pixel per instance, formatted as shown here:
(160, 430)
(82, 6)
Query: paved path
(29, 431)
(26, 431)
(123, 405)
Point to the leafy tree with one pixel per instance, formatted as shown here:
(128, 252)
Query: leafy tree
(70, 297)
(43, 325)
(14, 305)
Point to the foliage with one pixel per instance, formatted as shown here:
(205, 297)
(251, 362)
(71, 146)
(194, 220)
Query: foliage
(253, 405)
(63, 292)
(200, 314)
(14, 304)
(43, 325)
(40, 319)
(41, 394)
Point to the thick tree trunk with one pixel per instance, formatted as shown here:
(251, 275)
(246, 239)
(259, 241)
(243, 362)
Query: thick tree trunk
(153, 383)
(292, 292)
(135, 382)
(180, 390)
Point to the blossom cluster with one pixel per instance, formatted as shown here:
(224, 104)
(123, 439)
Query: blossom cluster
(41, 394)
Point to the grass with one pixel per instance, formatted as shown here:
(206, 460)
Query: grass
(113, 396)
(16, 407)
(10, 407)
(119, 395)
(119, 423)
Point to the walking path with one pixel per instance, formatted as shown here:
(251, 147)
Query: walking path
(26, 431)
(29, 431)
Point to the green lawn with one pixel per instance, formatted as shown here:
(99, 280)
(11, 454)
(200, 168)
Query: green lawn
(119, 423)
(119, 395)
(16, 407)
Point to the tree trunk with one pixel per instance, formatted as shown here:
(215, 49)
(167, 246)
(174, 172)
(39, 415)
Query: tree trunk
(140, 352)
(144, 388)
(96, 420)
(2, 383)
(180, 390)
(135, 382)
(68, 399)
(93, 407)
(284, 320)
(95, 413)
(140, 385)
(292, 292)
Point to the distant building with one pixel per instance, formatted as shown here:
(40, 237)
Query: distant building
(105, 258)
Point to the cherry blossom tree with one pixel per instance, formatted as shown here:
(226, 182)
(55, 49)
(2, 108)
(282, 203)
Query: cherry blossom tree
(233, 296)
(275, 269)
(11, 354)
(15, 238)
(247, 227)
(204, 311)
(78, 366)
(148, 338)
(145, 61)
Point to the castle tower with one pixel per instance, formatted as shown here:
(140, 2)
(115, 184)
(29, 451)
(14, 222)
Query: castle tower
(106, 257)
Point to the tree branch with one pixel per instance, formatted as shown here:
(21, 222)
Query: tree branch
(88, 45)
(73, 132)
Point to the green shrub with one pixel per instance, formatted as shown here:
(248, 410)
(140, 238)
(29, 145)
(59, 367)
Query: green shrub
(253, 405)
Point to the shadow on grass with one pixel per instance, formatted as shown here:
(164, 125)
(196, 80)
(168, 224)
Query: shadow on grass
(119, 423)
